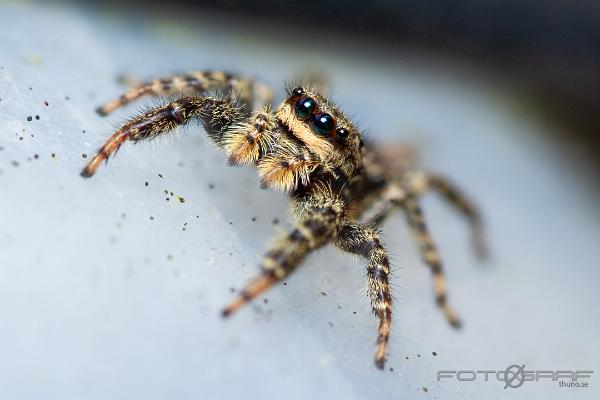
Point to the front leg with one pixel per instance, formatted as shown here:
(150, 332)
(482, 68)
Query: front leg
(216, 114)
(318, 226)
(364, 240)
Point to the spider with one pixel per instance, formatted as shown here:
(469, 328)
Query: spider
(340, 187)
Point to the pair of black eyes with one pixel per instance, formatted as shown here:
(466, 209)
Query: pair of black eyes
(323, 123)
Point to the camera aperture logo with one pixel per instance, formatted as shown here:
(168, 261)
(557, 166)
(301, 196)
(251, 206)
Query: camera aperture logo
(515, 375)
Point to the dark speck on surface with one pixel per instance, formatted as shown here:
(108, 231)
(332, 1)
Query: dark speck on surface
(425, 389)
(181, 199)
(53, 155)
(14, 163)
(434, 353)
(83, 155)
(46, 103)
(146, 183)
(169, 257)
(253, 219)
(323, 294)
(391, 369)
(151, 218)
(211, 185)
(36, 156)
(275, 221)
(160, 175)
(37, 117)
(29, 118)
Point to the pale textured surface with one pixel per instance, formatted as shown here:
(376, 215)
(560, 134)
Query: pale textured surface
(98, 301)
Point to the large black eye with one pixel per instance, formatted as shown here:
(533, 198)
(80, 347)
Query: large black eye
(304, 107)
(323, 124)
(297, 92)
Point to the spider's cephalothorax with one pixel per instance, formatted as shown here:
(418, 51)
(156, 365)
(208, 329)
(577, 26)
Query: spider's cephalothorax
(340, 189)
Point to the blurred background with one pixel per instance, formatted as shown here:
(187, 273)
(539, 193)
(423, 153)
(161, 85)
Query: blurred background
(110, 288)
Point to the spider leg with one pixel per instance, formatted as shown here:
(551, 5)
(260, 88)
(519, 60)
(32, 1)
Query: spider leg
(364, 240)
(216, 114)
(430, 255)
(461, 203)
(391, 198)
(197, 82)
(283, 258)
(420, 182)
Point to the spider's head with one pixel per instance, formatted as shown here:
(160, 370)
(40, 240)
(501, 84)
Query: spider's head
(322, 127)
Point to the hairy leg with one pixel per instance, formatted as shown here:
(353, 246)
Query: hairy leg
(197, 82)
(317, 228)
(364, 240)
(418, 183)
(216, 114)
(430, 256)
(461, 203)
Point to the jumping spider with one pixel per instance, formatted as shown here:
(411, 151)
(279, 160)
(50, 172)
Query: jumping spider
(310, 149)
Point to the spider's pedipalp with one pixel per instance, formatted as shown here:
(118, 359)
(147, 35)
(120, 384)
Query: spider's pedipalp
(364, 240)
(287, 167)
(248, 141)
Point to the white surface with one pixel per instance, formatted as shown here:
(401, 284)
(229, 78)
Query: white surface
(98, 301)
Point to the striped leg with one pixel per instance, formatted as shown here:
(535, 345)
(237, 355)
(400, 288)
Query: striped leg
(197, 82)
(364, 240)
(216, 115)
(419, 182)
(430, 256)
(288, 253)
(466, 207)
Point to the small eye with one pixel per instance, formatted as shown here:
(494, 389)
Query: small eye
(341, 133)
(323, 124)
(297, 92)
(304, 107)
